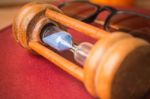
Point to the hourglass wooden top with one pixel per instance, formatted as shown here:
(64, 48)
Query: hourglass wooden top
(31, 18)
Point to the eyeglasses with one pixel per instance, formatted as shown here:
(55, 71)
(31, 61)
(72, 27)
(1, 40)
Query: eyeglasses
(116, 20)
(81, 10)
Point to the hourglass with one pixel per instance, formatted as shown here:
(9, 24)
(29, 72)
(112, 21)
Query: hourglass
(117, 66)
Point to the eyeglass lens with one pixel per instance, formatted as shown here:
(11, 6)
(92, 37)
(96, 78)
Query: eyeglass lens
(138, 26)
(79, 10)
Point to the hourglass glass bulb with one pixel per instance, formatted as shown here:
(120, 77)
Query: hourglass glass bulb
(61, 40)
(56, 38)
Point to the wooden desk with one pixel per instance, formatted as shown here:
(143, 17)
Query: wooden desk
(6, 15)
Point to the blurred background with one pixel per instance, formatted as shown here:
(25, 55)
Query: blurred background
(9, 8)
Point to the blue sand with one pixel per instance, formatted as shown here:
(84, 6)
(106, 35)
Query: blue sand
(60, 41)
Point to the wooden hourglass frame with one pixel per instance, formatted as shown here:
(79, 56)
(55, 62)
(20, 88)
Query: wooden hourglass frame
(117, 67)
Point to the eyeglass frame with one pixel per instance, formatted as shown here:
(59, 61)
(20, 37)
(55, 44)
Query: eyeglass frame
(111, 10)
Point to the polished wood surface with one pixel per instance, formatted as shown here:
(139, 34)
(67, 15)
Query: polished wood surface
(98, 52)
(6, 16)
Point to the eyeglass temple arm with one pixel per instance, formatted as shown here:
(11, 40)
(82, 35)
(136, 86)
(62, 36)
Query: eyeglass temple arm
(112, 11)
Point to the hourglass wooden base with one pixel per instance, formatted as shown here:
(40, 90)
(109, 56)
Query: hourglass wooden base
(117, 66)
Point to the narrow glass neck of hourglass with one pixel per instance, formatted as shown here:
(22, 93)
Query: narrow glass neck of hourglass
(81, 52)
